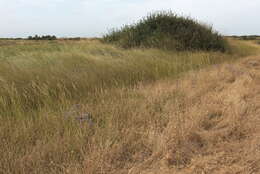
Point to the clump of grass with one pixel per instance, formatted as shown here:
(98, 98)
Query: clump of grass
(169, 31)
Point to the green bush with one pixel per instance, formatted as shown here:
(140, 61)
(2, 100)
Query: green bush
(167, 30)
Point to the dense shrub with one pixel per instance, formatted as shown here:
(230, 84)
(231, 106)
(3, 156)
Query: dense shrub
(168, 31)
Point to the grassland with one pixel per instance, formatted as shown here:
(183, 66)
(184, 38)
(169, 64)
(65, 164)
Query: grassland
(130, 96)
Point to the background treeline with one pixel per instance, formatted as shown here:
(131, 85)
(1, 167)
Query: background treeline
(247, 37)
(44, 37)
(49, 37)
(18, 38)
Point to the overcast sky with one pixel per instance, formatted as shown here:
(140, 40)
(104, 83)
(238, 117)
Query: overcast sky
(91, 18)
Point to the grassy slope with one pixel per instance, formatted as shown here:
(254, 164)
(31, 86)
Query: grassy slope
(213, 128)
(36, 74)
(41, 82)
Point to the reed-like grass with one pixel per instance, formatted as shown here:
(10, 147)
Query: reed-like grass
(40, 74)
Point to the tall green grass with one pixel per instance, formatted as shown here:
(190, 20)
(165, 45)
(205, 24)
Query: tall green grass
(168, 31)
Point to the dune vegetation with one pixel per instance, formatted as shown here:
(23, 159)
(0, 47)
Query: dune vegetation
(91, 107)
(167, 30)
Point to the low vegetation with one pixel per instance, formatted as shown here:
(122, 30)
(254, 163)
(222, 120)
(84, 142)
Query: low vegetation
(40, 75)
(78, 107)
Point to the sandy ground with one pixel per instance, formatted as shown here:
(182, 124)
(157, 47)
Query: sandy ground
(219, 124)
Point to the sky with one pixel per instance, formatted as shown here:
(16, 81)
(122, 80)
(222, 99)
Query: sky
(93, 18)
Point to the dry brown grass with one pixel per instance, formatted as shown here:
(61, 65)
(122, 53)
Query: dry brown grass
(216, 128)
(205, 122)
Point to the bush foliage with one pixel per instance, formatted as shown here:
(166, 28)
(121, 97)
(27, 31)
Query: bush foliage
(167, 30)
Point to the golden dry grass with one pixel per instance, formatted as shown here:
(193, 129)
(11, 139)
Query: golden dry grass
(205, 121)
(216, 128)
